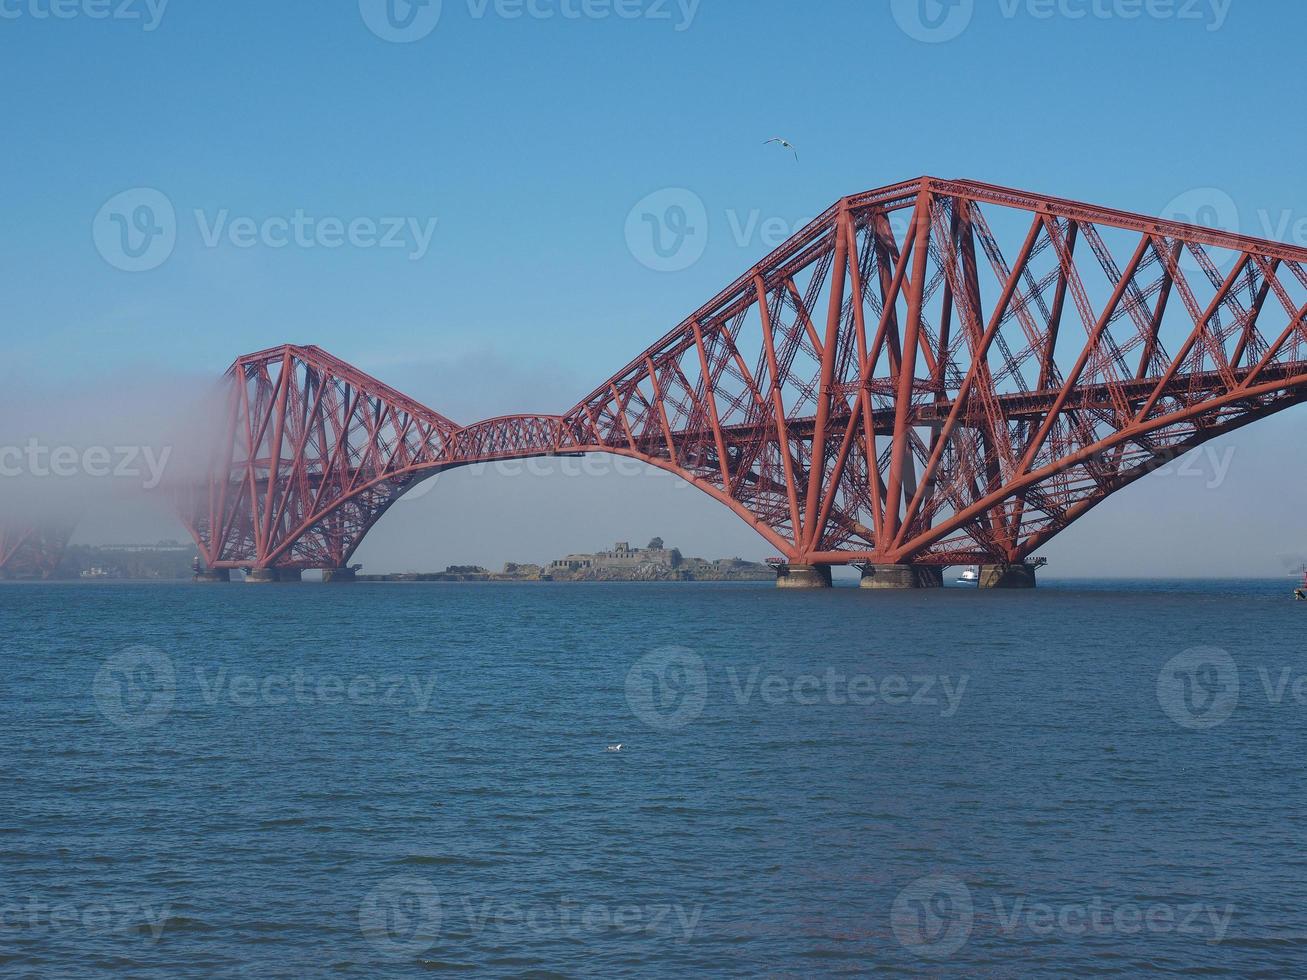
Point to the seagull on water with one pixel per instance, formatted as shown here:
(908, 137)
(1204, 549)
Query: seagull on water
(615, 748)
(785, 144)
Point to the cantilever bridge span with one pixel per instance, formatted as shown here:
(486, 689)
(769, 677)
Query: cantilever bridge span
(932, 373)
(31, 550)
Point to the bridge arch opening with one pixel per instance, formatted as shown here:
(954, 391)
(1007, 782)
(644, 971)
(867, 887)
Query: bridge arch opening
(548, 506)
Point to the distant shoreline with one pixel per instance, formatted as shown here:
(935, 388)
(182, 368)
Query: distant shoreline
(438, 578)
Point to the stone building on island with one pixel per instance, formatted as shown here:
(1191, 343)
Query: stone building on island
(654, 563)
(622, 557)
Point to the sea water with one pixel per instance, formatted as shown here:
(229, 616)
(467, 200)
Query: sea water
(376, 780)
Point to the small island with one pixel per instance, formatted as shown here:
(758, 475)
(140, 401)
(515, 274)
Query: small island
(653, 563)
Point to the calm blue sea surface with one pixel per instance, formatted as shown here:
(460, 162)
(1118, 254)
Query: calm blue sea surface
(378, 780)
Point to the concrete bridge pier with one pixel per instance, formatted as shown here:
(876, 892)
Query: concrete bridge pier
(803, 577)
(1020, 575)
(339, 575)
(209, 575)
(902, 577)
(261, 576)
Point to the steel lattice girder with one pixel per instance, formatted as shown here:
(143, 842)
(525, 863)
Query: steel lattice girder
(32, 550)
(939, 372)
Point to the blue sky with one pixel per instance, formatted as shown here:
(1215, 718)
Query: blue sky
(527, 133)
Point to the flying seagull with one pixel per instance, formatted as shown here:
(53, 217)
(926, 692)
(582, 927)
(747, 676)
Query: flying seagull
(785, 144)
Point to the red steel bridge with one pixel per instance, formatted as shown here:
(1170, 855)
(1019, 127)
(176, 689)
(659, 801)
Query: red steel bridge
(938, 372)
(30, 550)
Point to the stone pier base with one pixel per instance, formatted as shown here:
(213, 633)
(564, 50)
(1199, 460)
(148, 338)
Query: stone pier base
(207, 575)
(902, 577)
(260, 576)
(339, 575)
(1019, 576)
(803, 577)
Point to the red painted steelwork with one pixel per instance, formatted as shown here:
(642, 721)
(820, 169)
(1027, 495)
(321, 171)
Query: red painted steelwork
(940, 372)
(29, 551)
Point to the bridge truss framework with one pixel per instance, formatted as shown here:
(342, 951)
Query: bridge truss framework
(928, 374)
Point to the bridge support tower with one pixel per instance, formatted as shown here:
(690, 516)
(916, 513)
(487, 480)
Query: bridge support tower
(902, 577)
(1016, 576)
(262, 576)
(803, 577)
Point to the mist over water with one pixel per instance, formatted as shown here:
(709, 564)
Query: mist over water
(120, 444)
(109, 454)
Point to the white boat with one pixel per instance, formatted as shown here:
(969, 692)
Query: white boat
(969, 576)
